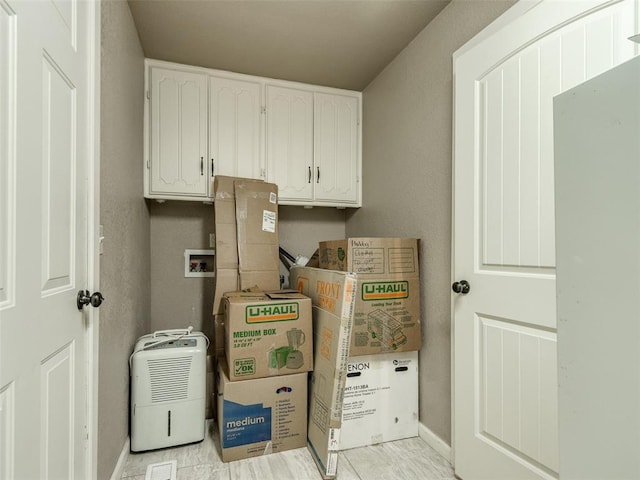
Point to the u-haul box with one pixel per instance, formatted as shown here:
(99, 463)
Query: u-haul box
(387, 310)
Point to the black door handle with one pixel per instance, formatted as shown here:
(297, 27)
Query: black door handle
(462, 287)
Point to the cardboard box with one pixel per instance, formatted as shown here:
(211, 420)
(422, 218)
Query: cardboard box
(326, 389)
(333, 295)
(387, 311)
(217, 342)
(267, 334)
(226, 240)
(257, 229)
(380, 399)
(224, 207)
(225, 280)
(261, 416)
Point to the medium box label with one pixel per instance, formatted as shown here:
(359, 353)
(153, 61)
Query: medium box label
(245, 424)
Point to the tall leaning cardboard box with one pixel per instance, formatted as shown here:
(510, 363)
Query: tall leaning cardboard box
(333, 297)
(257, 230)
(387, 310)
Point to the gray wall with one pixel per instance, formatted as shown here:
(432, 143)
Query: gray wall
(407, 179)
(178, 302)
(124, 266)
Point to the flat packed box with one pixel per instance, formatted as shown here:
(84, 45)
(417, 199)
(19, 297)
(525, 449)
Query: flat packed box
(261, 416)
(333, 295)
(257, 230)
(326, 389)
(226, 239)
(380, 399)
(267, 334)
(387, 311)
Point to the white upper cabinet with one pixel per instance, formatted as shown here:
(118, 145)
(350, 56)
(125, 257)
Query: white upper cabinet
(234, 127)
(290, 142)
(178, 133)
(337, 146)
(201, 122)
(313, 146)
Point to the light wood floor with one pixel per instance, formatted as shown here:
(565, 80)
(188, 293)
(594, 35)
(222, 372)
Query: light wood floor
(410, 459)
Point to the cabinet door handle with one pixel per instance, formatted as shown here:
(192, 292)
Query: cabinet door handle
(318, 177)
(309, 181)
(212, 165)
(201, 165)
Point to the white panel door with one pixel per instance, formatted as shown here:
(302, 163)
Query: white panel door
(178, 137)
(504, 329)
(290, 142)
(46, 146)
(336, 148)
(234, 128)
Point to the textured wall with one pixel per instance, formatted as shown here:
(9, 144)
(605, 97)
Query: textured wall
(124, 266)
(407, 166)
(178, 302)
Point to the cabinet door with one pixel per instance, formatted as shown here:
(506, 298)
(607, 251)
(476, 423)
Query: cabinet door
(290, 142)
(178, 111)
(336, 148)
(234, 128)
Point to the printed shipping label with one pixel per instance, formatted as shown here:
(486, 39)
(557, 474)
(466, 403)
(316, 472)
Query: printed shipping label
(332, 464)
(334, 440)
(268, 221)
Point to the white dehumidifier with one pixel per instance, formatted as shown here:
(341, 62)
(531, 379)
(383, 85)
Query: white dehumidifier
(168, 389)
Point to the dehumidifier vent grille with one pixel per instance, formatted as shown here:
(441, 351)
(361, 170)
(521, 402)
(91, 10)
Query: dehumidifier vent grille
(169, 378)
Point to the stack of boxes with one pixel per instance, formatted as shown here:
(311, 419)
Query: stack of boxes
(381, 389)
(360, 339)
(263, 355)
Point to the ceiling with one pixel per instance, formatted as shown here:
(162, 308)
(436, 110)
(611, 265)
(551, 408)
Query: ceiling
(337, 43)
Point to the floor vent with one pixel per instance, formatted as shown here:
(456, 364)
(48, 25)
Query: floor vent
(162, 471)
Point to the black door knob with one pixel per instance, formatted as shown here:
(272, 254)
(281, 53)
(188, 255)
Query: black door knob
(462, 287)
(85, 299)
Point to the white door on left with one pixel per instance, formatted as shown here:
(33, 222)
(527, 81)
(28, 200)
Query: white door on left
(46, 146)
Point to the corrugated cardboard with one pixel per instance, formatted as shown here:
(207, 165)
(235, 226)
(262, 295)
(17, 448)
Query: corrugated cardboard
(226, 240)
(326, 389)
(380, 399)
(224, 207)
(387, 311)
(261, 416)
(225, 280)
(258, 326)
(257, 228)
(333, 296)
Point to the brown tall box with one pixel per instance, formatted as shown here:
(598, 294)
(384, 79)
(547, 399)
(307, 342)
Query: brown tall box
(257, 230)
(387, 310)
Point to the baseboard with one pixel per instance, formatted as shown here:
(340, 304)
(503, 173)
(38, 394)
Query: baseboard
(435, 442)
(122, 459)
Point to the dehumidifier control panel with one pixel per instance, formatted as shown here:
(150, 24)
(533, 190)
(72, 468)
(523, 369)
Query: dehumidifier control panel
(184, 342)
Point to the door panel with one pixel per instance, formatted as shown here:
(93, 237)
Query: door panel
(178, 132)
(46, 148)
(234, 127)
(290, 142)
(7, 154)
(58, 178)
(505, 377)
(336, 148)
